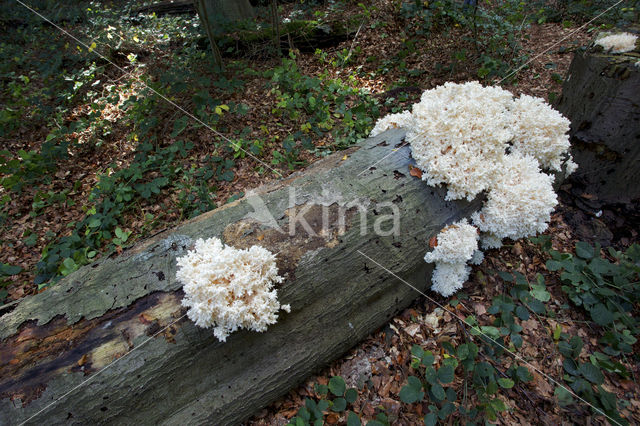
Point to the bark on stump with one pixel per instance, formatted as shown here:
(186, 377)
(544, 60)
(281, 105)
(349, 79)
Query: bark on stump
(601, 97)
(118, 309)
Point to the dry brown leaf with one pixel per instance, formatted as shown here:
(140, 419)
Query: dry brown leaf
(541, 384)
(479, 308)
(415, 172)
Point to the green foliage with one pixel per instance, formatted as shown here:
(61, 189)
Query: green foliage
(480, 376)
(314, 411)
(493, 31)
(585, 379)
(582, 10)
(319, 106)
(154, 170)
(607, 290)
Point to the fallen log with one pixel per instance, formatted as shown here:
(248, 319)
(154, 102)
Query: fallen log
(111, 343)
(600, 97)
(171, 7)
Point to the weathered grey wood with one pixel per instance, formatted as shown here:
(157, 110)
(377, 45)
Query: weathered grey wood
(601, 97)
(55, 340)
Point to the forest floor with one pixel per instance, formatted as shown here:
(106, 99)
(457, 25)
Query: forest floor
(381, 56)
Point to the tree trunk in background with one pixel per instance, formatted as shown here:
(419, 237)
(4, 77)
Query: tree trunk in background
(601, 97)
(215, 14)
(169, 371)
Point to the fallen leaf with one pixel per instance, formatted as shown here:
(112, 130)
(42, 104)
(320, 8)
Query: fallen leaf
(479, 308)
(433, 242)
(415, 172)
(412, 329)
(83, 360)
(541, 384)
(146, 318)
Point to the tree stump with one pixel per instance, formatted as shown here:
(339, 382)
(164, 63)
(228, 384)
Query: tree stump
(601, 97)
(110, 342)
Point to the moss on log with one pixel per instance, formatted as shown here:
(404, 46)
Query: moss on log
(601, 97)
(119, 324)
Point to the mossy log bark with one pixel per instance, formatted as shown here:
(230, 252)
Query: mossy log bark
(601, 97)
(110, 342)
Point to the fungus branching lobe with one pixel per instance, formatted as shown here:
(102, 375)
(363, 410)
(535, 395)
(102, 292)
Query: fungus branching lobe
(618, 43)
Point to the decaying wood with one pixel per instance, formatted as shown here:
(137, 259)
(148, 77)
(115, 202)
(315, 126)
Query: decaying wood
(171, 7)
(601, 97)
(119, 324)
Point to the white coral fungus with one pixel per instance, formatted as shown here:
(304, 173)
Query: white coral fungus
(459, 135)
(392, 121)
(539, 131)
(473, 139)
(618, 43)
(229, 288)
(520, 202)
(455, 245)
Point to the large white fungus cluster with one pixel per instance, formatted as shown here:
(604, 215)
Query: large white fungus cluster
(618, 43)
(458, 136)
(454, 247)
(229, 288)
(476, 139)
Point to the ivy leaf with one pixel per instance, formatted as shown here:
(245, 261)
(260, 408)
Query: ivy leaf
(337, 386)
(463, 352)
(523, 374)
(6, 269)
(427, 358)
(339, 404)
(179, 125)
(446, 374)
(505, 383)
(591, 373)
(601, 315)
(516, 339)
(554, 265)
(570, 367)
(522, 312)
(417, 351)
(584, 250)
(321, 389)
(411, 392)
(353, 419)
(540, 292)
(430, 419)
(430, 375)
(322, 405)
(563, 396)
(351, 395)
(438, 391)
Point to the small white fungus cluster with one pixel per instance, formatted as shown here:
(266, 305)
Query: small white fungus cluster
(229, 288)
(456, 245)
(618, 43)
(519, 203)
(473, 139)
